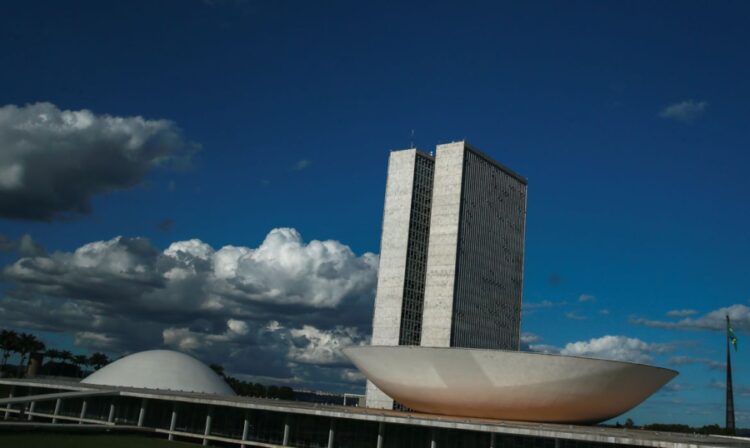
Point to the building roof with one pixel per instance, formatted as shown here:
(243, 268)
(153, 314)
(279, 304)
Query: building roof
(163, 370)
(596, 434)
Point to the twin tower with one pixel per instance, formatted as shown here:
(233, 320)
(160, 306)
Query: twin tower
(451, 253)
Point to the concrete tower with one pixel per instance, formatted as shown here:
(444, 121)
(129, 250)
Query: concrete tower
(475, 255)
(451, 258)
(397, 318)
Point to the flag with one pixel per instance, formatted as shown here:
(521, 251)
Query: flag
(732, 337)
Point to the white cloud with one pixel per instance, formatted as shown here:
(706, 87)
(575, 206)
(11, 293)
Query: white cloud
(681, 313)
(94, 340)
(530, 338)
(617, 348)
(237, 327)
(279, 309)
(586, 298)
(544, 348)
(685, 111)
(714, 320)
(282, 270)
(313, 346)
(529, 342)
(52, 161)
(574, 316)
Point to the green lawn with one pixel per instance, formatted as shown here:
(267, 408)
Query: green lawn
(71, 440)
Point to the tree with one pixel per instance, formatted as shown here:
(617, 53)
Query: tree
(218, 369)
(52, 355)
(66, 356)
(80, 360)
(8, 344)
(27, 344)
(629, 423)
(98, 360)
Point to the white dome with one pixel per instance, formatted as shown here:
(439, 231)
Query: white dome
(161, 369)
(507, 385)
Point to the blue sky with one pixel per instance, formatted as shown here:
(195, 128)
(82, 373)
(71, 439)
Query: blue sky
(628, 118)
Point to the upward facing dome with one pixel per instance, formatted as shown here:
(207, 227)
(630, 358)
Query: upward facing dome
(161, 369)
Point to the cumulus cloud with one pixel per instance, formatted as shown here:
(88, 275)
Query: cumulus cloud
(685, 111)
(531, 342)
(282, 309)
(543, 348)
(586, 298)
(313, 346)
(714, 320)
(619, 348)
(53, 161)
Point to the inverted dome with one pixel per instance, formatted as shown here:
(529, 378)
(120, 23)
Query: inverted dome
(161, 369)
(508, 385)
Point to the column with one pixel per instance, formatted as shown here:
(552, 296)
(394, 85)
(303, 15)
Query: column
(83, 412)
(492, 440)
(31, 410)
(558, 443)
(433, 438)
(245, 429)
(142, 413)
(287, 430)
(381, 434)
(207, 431)
(58, 403)
(8, 406)
(111, 416)
(172, 422)
(331, 433)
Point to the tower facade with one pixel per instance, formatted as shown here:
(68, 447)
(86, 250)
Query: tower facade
(451, 260)
(399, 299)
(475, 256)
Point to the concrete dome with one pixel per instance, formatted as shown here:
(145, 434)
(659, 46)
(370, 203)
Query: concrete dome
(161, 369)
(508, 385)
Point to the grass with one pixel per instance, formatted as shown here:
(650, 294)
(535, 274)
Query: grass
(71, 440)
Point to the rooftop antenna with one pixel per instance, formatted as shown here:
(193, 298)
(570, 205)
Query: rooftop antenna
(411, 144)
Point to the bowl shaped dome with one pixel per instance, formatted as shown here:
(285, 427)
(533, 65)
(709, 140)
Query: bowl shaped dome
(508, 385)
(161, 369)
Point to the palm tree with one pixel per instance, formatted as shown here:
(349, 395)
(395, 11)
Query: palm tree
(8, 344)
(27, 344)
(98, 360)
(66, 356)
(52, 355)
(80, 360)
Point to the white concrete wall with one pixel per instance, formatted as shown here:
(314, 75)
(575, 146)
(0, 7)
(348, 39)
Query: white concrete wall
(394, 242)
(441, 259)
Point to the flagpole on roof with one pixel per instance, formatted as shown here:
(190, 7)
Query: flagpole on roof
(730, 394)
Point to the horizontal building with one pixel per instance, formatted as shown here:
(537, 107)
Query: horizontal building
(250, 422)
